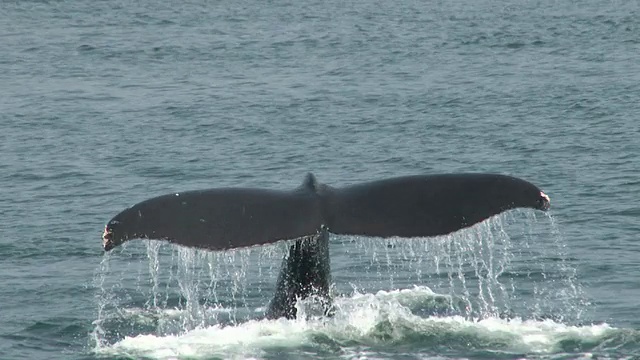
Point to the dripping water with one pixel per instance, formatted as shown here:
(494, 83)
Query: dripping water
(483, 271)
(490, 268)
(173, 289)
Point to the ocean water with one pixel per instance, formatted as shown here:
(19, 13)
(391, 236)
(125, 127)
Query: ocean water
(107, 103)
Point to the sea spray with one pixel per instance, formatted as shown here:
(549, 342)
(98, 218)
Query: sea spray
(479, 271)
(153, 248)
(378, 322)
(96, 337)
(571, 292)
(485, 265)
(476, 257)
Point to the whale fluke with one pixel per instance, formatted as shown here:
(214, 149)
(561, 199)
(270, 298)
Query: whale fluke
(425, 206)
(219, 219)
(412, 206)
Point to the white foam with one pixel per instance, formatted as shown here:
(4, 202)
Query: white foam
(246, 340)
(360, 320)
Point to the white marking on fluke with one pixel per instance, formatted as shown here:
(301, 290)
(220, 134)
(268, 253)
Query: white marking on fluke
(545, 196)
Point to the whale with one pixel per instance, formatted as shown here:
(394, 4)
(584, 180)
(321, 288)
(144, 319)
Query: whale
(416, 206)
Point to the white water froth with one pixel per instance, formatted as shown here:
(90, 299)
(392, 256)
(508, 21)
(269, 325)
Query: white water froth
(204, 305)
(361, 320)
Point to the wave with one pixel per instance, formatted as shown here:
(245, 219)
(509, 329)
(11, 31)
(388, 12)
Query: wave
(495, 297)
(371, 324)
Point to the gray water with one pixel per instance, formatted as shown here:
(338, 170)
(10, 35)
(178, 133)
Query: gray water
(107, 103)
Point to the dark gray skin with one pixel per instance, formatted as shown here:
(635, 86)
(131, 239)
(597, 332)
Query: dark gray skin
(305, 272)
(227, 218)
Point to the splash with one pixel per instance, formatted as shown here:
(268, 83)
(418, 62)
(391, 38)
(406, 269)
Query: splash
(504, 272)
(185, 282)
(372, 321)
(507, 265)
(97, 336)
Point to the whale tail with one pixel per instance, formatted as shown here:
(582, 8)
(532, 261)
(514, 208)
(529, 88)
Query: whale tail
(227, 218)
(305, 272)
(413, 206)
(220, 219)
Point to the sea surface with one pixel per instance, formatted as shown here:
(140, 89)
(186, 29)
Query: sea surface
(106, 103)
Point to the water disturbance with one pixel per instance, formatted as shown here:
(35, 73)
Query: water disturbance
(463, 286)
